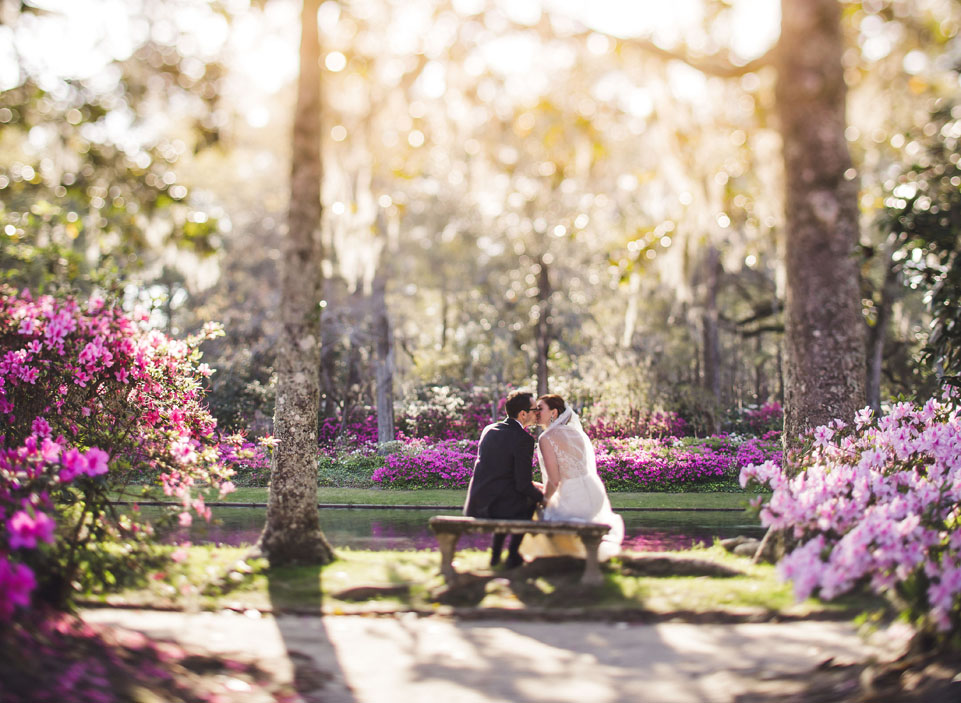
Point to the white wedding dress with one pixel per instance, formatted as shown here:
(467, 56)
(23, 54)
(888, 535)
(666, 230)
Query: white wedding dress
(580, 494)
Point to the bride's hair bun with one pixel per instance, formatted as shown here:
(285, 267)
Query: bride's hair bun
(554, 402)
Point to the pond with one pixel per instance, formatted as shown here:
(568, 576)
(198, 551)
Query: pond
(383, 528)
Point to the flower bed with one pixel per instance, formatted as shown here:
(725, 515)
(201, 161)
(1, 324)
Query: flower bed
(634, 464)
(713, 463)
(422, 464)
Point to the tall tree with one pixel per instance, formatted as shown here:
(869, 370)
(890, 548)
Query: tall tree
(824, 362)
(824, 345)
(292, 533)
(543, 331)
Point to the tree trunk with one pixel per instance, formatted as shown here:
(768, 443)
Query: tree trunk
(543, 328)
(824, 349)
(292, 534)
(760, 385)
(384, 371)
(876, 334)
(444, 311)
(780, 373)
(711, 334)
(631, 312)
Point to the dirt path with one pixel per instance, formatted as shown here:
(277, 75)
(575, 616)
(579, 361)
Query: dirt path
(355, 659)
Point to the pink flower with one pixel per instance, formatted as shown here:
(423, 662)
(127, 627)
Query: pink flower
(16, 584)
(185, 519)
(49, 450)
(73, 464)
(25, 529)
(822, 435)
(97, 461)
(27, 326)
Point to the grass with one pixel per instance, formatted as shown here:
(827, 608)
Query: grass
(455, 497)
(401, 581)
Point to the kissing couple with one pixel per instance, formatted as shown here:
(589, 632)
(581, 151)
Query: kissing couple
(502, 484)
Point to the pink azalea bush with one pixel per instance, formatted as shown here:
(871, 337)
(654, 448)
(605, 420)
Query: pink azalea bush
(91, 399)
(757, 419)
(634, 464)
(647, 424)
(420, 464)
(876, 503)
(638, 464)
(445, 413)
(59, 658)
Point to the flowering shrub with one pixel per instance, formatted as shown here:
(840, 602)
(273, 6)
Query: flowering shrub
(446, 464)
(443, 413)
(654, 424)
(876, 503)
(249, 461)
(56, 657)
(361, 430)
(757, 420)
(657, 465)
(91, 399)
(624, 465)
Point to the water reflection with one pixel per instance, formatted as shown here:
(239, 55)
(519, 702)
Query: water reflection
(407, 529)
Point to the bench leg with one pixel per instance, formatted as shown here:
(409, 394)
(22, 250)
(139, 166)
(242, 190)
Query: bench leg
(448, 544)
(592, 570)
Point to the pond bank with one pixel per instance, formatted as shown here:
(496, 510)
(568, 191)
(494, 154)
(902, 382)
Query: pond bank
(389, 506)
(394, 527)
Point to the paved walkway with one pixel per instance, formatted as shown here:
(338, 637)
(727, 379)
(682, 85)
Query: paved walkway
(356, 659)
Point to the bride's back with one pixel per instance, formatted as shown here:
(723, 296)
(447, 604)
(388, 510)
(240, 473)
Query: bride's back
(569, 448)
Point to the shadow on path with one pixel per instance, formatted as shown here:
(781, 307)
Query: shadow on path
(316, 675)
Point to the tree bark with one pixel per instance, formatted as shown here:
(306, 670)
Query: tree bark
(543, 327)
(711, 333)
(384, 342)
(292, 534)
(824, 348)
(760, 382)
(876, 334)
(444, 311)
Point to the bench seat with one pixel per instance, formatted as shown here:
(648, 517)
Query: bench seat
(448, 529)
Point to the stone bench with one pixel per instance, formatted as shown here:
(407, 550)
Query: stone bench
(448, 529)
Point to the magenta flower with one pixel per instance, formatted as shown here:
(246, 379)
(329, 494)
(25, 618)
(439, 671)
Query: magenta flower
(17, 582)
(74, 463)
(25, 530)
(96, 461)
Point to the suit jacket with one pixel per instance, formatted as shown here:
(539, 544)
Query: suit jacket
(501, 485)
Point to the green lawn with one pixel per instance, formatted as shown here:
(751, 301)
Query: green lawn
(226, 577)
(455, 497)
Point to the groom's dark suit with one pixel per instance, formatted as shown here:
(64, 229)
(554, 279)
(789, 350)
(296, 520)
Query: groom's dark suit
(501, 485)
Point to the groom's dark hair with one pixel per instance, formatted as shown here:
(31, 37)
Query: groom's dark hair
(518, 401)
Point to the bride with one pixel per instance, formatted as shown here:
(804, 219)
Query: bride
(572, 489)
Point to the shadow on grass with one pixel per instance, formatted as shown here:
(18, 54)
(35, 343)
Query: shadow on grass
(296, 596)
(547, 582)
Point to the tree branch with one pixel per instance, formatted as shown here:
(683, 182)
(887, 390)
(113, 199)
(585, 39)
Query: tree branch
(761, 312)
(760, 330)
(719, 64)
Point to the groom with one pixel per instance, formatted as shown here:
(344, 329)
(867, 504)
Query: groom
(501, 486)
